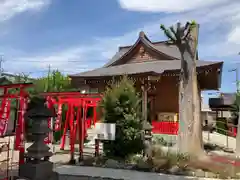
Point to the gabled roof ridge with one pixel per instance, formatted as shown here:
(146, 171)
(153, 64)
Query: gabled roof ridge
(165, 42)
(141, 35)
(145, 40)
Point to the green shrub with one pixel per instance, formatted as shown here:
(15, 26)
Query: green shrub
(121, 105)
(221, 126)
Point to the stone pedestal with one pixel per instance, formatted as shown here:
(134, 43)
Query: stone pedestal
(40, 171)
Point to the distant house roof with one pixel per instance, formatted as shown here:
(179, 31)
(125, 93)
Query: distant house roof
(226, 100)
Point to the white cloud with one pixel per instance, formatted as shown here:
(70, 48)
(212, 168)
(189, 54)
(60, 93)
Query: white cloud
(234, 35)
(219, 33)
(219, 20)
(10, 8)
(72, 60)
(168, 5)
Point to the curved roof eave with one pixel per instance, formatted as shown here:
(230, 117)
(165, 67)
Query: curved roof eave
(144, 67)
(144, 39)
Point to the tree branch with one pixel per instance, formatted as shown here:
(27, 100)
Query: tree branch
(167, 33)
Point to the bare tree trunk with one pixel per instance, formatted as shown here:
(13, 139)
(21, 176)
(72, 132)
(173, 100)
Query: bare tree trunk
(185, 106)
(197, 141)
(182, 138)
(190, 132)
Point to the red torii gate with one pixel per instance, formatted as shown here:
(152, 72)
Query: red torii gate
(22, 96)
(81, 101)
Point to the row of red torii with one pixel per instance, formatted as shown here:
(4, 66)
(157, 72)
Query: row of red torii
(75, 121)
(74, 100)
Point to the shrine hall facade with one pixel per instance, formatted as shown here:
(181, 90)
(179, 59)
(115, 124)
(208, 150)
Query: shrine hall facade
(154, 63)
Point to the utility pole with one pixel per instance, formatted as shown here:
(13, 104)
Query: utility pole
(237, 80)
(1, 61)
(48, 78)
(51, 134)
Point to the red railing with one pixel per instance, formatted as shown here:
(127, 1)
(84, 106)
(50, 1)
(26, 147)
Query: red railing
(232, 131)
(165, 127)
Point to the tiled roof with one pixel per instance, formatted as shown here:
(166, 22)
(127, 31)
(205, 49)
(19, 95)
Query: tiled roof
(117, 56)
(170, 51)
(156, 67)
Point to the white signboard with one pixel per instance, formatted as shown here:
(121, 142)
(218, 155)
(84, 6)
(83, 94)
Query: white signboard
(105, 131)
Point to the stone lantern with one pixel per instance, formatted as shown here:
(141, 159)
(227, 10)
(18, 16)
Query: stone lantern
(37, 165)
(147, 139)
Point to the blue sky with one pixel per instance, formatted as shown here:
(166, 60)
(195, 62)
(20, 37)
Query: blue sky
(78, 35)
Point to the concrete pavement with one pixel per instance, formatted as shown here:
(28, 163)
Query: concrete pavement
(95, 173)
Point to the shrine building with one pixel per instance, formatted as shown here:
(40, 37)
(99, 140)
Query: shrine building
(155, 65)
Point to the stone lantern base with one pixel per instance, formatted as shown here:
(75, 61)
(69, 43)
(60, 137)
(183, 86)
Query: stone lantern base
(38, 171)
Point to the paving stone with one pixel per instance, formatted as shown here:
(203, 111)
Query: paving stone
(210, 175)
(199, 173)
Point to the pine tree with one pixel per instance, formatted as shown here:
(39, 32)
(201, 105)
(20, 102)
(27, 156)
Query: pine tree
(121, 105)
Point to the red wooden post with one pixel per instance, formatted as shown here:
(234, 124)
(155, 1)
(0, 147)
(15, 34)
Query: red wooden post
(71, 124)
(77, 122)
(21, 128)
(94, 115)
(4, 113)
(57, 126)
(85, 122)
(80, 132)
(65, 129)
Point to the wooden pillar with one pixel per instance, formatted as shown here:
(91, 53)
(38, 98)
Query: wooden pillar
(151, 109)
(144, 101)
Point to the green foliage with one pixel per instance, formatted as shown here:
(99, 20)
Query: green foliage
(221, 126)
(121, 105)
(158, 139)
(235, 109)
(180, 33)
(237, 102)
(54, 82)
